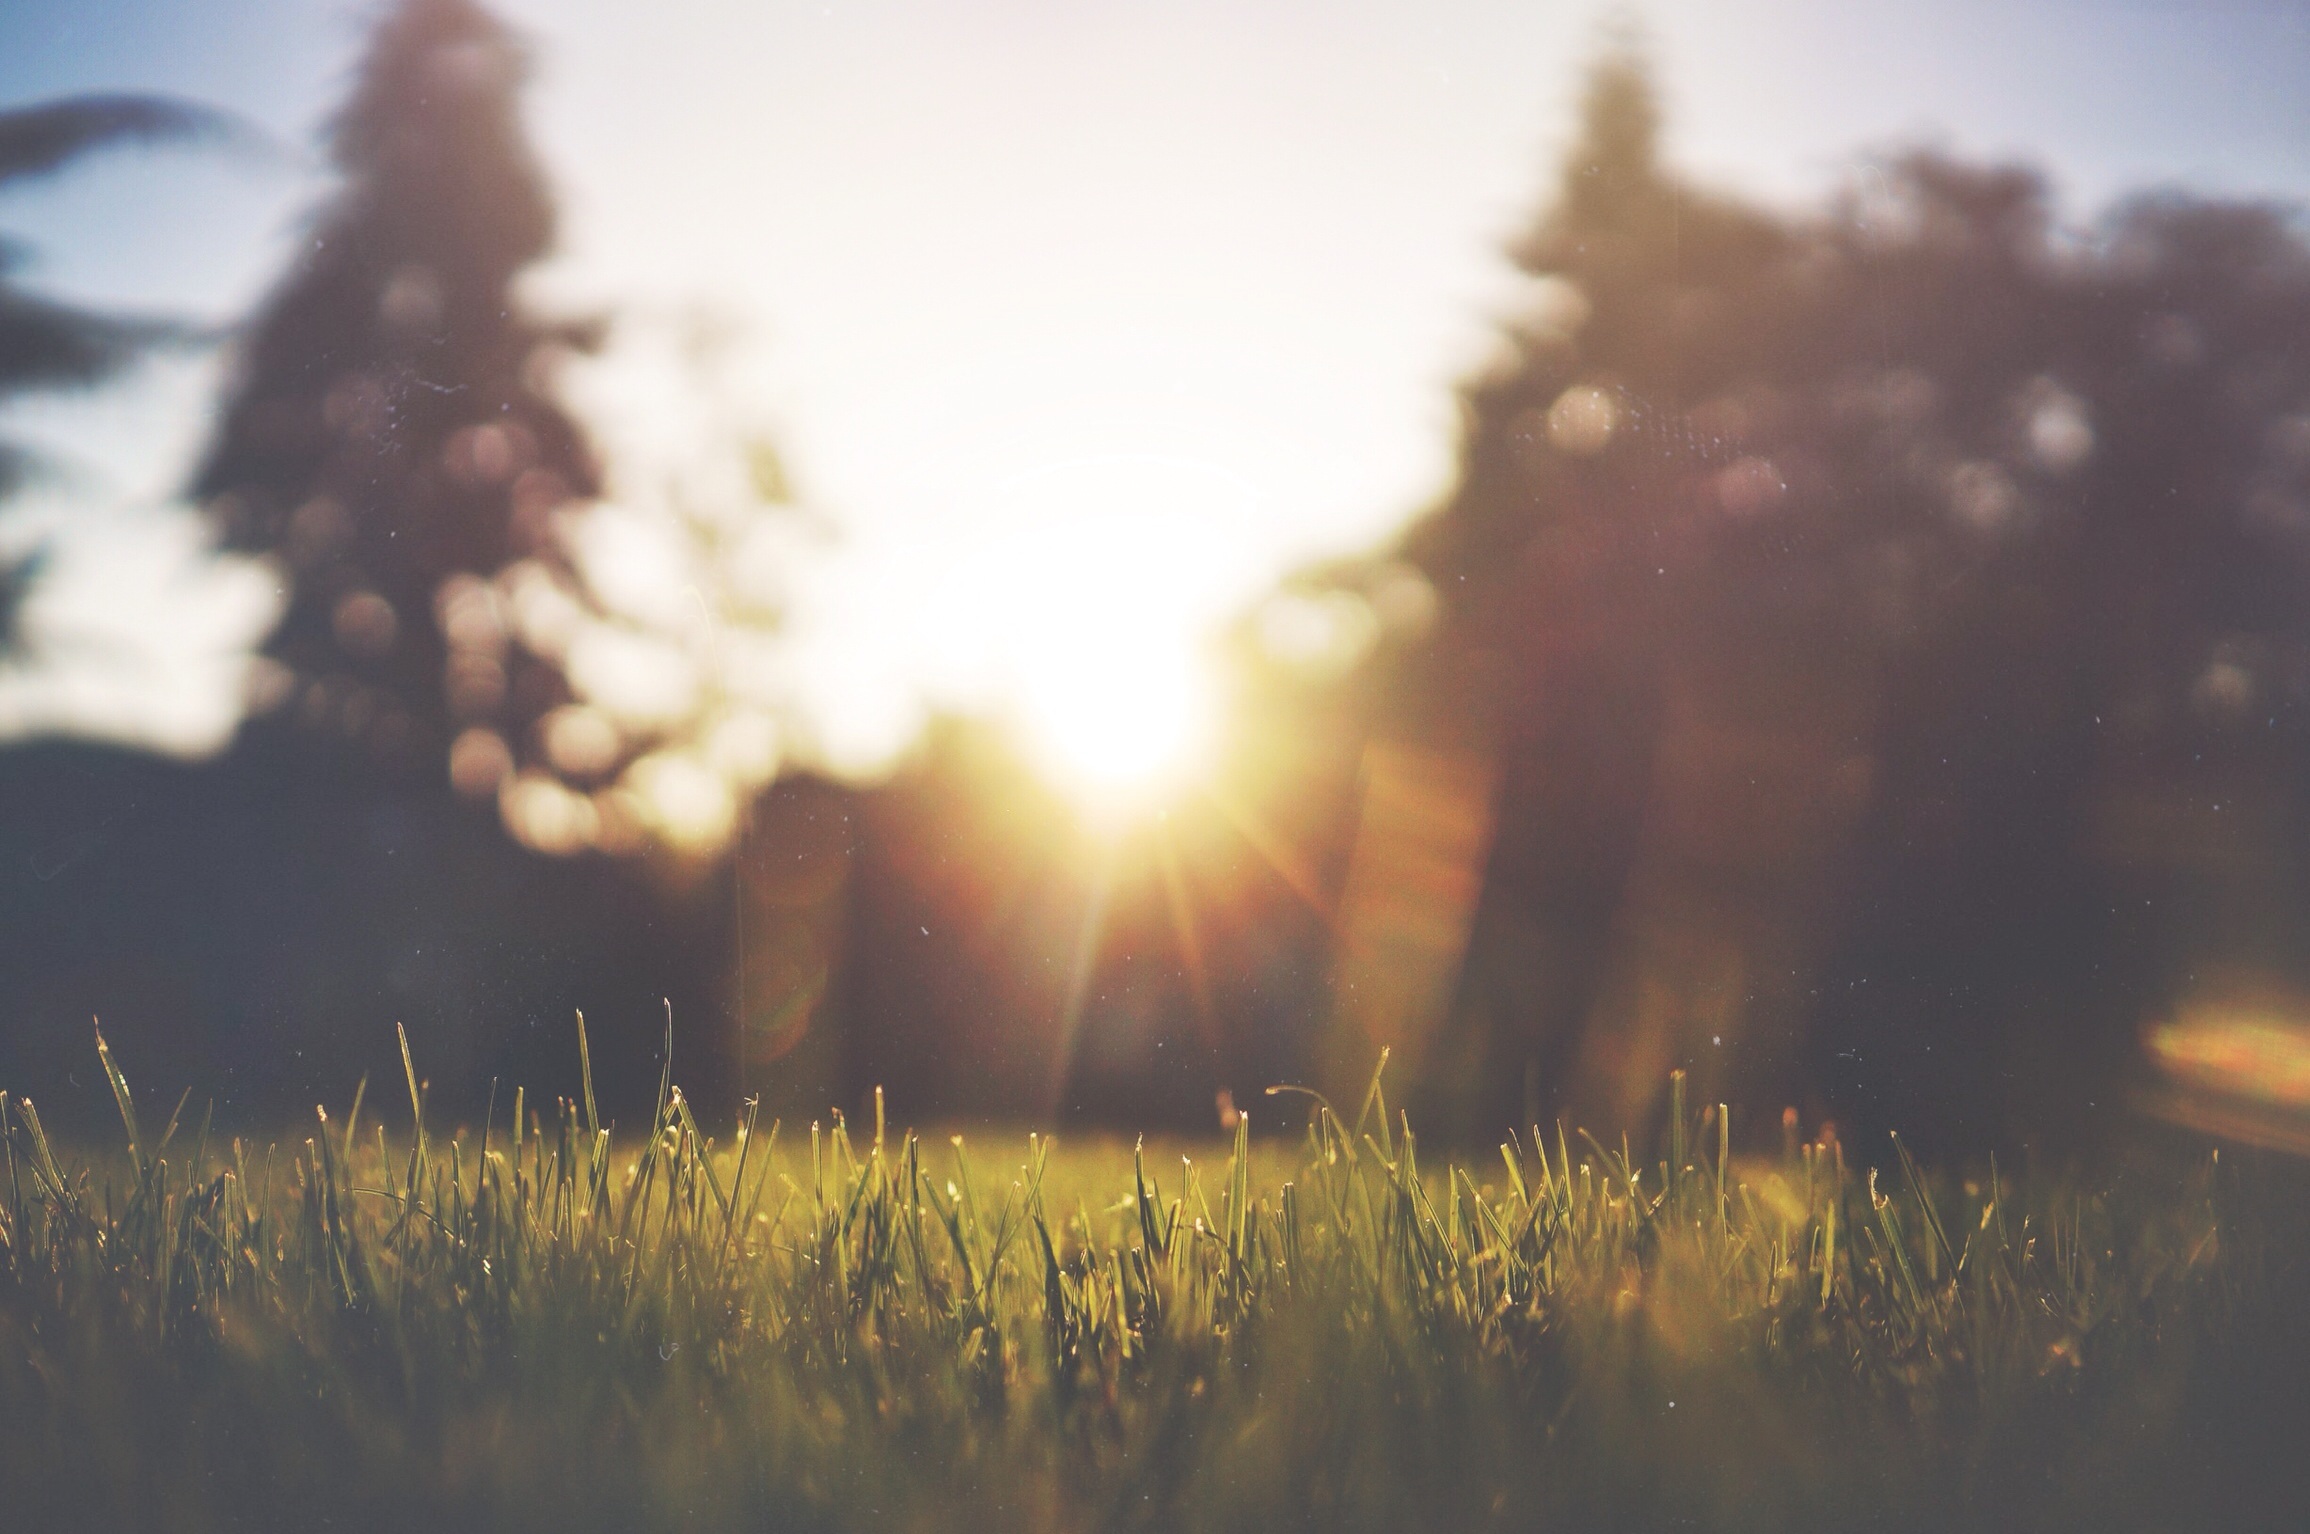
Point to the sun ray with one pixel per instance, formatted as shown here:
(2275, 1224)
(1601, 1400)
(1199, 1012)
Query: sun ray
(1079, 975)
(1004, 908)
(1190, 939)
(1288, 865)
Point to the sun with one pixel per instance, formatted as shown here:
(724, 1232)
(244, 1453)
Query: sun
(1089, 619)
(1117, 707)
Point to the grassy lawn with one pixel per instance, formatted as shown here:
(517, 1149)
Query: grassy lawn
(544, 1325)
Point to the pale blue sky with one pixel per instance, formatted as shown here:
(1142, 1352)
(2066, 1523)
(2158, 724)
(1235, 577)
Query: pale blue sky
(978, 243)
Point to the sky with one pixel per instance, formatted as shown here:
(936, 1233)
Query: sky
(1078, 324)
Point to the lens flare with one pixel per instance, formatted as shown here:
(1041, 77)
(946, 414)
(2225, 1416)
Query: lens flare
(2238, 1069)
(2251, 1054)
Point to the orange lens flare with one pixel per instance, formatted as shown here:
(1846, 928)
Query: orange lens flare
(2238, 1071)
(2258, 1056)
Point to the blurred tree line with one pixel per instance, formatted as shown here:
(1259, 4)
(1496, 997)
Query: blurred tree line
(1883, 636)
(1861, 660)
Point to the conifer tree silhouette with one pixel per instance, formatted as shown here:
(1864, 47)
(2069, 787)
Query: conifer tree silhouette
(390, 429)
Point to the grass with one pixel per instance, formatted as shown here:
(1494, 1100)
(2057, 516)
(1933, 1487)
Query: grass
(545, 1325)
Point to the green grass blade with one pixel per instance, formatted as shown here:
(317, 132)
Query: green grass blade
(586, 1074)
(120, 1096)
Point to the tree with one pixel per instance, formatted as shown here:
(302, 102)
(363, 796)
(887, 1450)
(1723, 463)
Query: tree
(391, 430)
(662, 604)
(48, 345)
(1862, 612)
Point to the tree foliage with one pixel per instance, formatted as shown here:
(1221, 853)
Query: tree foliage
(391, 429)
(473, 604)
(45, 344)
(1888, 622)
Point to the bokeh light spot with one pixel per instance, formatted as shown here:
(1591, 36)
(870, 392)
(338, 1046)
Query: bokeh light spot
(1582, 420)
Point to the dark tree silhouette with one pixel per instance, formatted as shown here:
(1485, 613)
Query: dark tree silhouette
(1891, 631)
(391, 428)
(48, 345)
(267, 918)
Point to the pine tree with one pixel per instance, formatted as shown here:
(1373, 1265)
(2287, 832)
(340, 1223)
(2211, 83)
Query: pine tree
(391, 429)
(49, 345)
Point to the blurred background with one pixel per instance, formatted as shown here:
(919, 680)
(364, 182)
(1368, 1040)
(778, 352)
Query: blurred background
(1075, 562)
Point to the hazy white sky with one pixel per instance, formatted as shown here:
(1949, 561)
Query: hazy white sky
(1217, 265)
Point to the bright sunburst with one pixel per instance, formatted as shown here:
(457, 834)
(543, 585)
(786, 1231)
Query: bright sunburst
(1119, 710)
(1090, 614)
